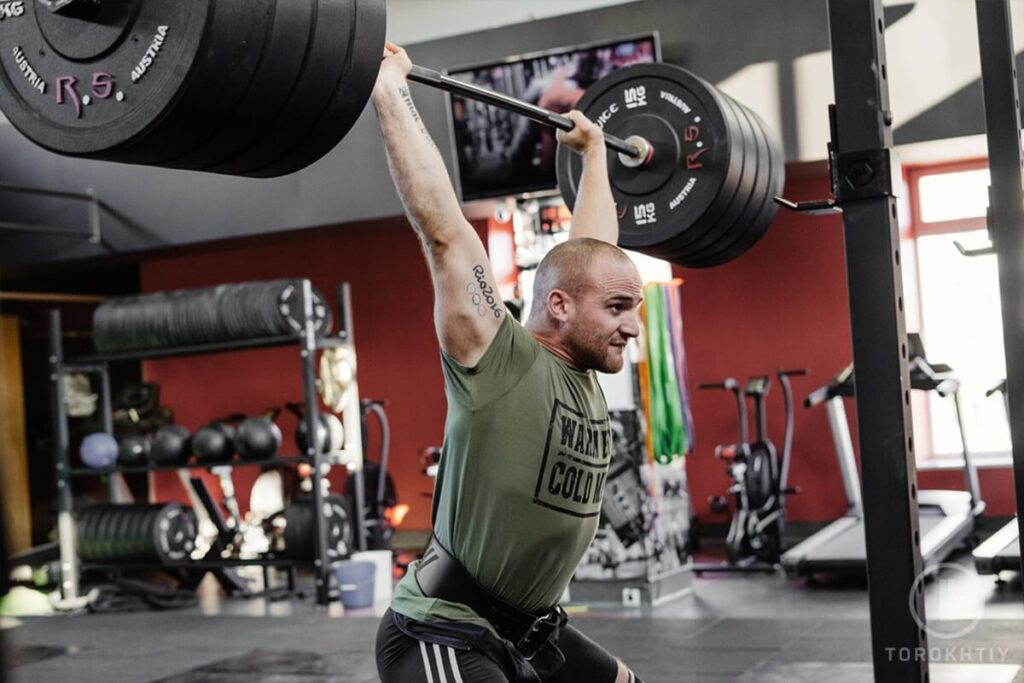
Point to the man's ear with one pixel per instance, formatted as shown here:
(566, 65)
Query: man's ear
(560, 305)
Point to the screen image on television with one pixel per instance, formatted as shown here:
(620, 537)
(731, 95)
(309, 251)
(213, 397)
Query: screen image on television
(501, 153)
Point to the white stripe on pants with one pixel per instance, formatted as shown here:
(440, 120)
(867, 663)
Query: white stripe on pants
(455, 666)
(426, 662)
(440, 664)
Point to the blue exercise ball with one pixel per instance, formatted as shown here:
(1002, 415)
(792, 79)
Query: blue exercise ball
(99, 450)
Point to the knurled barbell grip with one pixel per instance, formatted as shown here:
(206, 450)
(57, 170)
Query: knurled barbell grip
(438, 80)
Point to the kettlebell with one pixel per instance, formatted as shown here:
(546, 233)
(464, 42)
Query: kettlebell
(330, 434)
(171, 445)
(214, 442)
(257, 438)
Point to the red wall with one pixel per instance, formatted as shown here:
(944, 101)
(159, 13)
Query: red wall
(396, 348)
(782, 305)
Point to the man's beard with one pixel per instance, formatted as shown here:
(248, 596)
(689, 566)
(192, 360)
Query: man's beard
(592, 353)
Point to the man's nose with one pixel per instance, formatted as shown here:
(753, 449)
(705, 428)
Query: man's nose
(631, 327)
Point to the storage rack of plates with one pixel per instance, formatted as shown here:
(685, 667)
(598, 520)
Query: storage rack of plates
(224, 319)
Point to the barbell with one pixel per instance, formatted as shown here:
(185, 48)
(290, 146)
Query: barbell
(263, 88)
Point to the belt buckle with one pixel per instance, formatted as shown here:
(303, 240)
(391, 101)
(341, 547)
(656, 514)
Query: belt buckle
(539, 631)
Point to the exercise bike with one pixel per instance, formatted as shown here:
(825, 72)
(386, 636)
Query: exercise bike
(759, 479)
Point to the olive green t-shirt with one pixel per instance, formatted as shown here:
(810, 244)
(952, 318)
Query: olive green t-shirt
(521, 476)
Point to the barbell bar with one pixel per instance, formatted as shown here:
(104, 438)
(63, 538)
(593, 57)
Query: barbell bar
(638, 149)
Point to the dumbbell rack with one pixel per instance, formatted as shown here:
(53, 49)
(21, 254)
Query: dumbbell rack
(308, 342)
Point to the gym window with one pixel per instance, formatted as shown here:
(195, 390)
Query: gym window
(958, 309)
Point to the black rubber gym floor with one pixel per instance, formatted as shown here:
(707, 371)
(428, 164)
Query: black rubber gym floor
(737, 629)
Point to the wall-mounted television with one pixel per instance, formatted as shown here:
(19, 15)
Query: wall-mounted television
(499, 153)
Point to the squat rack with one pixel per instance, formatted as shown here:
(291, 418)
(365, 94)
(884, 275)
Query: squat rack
(1006, 213)
(862, 169)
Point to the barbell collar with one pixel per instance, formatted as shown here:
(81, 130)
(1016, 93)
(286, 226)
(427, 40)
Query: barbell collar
(543, 116)
(643, 158)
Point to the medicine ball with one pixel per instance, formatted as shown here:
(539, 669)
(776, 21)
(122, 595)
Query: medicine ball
(171, 445)
(257, 438)
(98, 450)
(214, 442)
(133, 451)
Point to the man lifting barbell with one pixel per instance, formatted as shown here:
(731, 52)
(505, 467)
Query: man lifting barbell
(527, 441)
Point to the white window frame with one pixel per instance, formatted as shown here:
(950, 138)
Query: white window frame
(924, 406)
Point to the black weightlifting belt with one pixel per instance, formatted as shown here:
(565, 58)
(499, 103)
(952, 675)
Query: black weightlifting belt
(440, 575)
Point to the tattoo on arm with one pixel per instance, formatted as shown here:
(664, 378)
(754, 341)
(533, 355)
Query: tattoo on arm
(407, 98)
(482, 295)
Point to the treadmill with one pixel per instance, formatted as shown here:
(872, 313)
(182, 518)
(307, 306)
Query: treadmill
(947, 518)
(1001, 551)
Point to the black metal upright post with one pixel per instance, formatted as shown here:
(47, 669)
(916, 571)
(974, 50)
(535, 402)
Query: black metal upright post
(107, 412)
(61, 443)
(863, 168)
(315, 449)
(353, 418)
(1006, 212)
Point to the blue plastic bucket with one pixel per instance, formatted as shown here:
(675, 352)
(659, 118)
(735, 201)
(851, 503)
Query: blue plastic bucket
(355, 583)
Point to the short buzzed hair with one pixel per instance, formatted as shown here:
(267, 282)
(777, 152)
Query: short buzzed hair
(568, 266)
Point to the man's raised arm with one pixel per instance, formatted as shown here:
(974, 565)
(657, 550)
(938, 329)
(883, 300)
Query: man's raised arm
(467, 307)
(594, 214)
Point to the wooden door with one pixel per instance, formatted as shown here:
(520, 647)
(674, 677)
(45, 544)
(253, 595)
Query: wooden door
(14, 492)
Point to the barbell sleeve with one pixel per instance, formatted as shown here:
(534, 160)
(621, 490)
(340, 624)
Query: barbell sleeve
(435, 79)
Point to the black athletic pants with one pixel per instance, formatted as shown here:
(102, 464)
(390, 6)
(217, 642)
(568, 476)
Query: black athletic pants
(416, 652)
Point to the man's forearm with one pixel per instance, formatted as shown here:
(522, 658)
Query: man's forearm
(416, 165)
(594, 214)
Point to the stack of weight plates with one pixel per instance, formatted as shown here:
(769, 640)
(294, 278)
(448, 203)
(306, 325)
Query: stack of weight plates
(136, 533)
(245, 87)
(706, 195)
(187, 317)
(299, 536)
